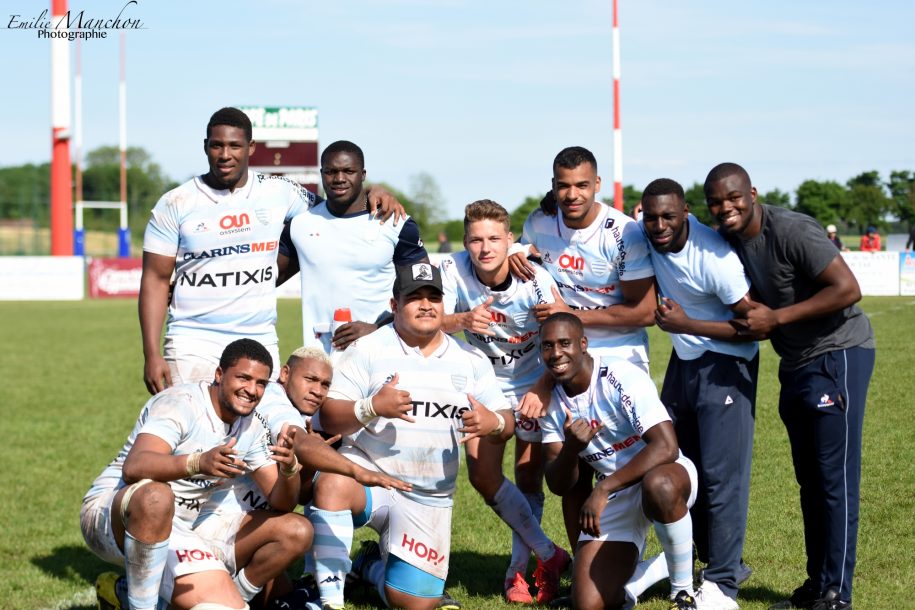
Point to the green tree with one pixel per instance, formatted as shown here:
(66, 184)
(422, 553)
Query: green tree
(827, 201)
(695, 199)
(520, 214)
(25, 191)
(867, 201)
(902, 191)
(776, 198)
(428, 204)
(146, 183)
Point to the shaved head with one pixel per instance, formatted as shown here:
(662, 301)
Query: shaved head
(726, 170)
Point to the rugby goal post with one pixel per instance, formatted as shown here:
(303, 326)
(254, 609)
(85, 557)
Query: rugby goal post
(79, 232)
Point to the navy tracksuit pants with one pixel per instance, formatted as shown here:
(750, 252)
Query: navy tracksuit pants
(712, 402)
(822, 407)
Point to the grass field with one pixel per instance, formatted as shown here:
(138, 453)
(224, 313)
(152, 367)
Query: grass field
(73, 390)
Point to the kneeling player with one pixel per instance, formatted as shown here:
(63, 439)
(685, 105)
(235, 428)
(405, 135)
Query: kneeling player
(401, 394)
(188, 440)
(610, 416)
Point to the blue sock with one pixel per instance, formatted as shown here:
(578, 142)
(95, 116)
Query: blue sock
(144, 563)
(333, 541)
(677, 541)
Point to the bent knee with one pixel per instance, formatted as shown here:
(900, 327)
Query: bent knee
(295, 533)
(333, 490)
(152, 501)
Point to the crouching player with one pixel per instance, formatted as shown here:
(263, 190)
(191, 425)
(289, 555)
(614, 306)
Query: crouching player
(494, 311)
(188, 442)
(402, 395)
(610, 416)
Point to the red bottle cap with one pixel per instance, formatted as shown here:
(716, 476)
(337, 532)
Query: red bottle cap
(343, 315)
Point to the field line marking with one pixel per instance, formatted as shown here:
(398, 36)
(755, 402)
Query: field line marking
(80, 598)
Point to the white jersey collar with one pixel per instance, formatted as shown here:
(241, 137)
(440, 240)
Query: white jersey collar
(220, 195)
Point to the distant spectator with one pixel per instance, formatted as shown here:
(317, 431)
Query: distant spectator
(911, 241)
(870, 241)
(831, 233)
(444, 246)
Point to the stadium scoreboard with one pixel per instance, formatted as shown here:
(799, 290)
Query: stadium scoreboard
(287, 142)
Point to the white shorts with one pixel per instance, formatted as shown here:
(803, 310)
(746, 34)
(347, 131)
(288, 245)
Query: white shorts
(95, 523)
(623, 519)
(525, 429)
(220, 530)
(188, 553)
(192, 360)
(418, 534)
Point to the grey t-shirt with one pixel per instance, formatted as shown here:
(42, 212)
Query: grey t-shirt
(783, 261)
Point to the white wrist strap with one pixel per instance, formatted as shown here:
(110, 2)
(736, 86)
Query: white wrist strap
(364, 410)
(501, 425)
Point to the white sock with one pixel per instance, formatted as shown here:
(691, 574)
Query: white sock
(308, 559)
(333, 541)
(244, 586)
(144, 563)
(513, 508)
(647, 572)
(521, 553)
(677, 541)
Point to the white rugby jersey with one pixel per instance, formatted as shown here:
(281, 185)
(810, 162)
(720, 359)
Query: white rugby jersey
(348, 261)
(704, 278)
(183, 416)
(425, 453)
(588, 265)
(225, 246)
(273, 412)
(622, 397)
(514, 350)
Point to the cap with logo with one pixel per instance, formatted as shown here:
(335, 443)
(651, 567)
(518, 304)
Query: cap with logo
(411, 278)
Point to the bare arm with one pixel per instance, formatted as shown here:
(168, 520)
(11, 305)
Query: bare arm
(152, 305)
(671, 318)
(476, 320)
(339, 416)
(637, 308)
(152, 458)
(315, 454)
(561, 467)
(840, 289)
(279, 481)
(661, 448)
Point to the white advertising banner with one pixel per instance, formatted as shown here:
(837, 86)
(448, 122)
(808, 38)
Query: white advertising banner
(877, 272)
(907, 273)
(42, 278)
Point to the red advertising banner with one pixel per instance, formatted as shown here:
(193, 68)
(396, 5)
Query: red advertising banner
(115, 277)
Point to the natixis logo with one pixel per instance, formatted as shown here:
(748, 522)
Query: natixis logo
(79, 24)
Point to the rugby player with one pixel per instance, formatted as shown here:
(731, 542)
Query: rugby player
(403, 396)
(187, 442)
(826, 344)
(710, 383)
(494, 311)
(344, 259)
(218, 234)
(606, 417)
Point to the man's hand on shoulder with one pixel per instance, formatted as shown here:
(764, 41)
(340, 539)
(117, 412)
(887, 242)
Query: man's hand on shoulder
(351, 331)
(382, 203)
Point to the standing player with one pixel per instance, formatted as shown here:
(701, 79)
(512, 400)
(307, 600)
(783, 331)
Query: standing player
(401, 396)
(827, 352)
(710, 384)
(345, 259)
(185, 444)
(608, 414)
(599, 259)
(218, 233)
(494, 311)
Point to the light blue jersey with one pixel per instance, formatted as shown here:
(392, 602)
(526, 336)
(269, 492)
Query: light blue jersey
(704, 278)
(225, 246)
(624, 399)
(588, 266)
(184, 417)
(424, 453)
(348, 261)
(513, 351)
(273, 412)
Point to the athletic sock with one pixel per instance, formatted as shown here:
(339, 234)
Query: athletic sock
(677, 541)
(333, 540)
(244, 586)
(513, 508)
(647, 572)
(308, 559)
(521, 553)
(144, 564)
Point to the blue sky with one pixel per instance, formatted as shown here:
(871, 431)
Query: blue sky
(481, 95)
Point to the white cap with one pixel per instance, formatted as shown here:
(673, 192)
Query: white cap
(830, 228)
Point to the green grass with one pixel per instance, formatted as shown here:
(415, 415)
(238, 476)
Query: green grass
(73, 387)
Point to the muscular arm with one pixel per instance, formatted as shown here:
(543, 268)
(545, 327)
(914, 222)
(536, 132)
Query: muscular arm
(152, 305)
(152, 458)
(560, 466)
(661, 448)
(637, 308)
(840, 289)
(338, 417)
(282, 492)
(671, 318)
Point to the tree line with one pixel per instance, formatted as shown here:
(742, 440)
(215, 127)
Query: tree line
(863, 200)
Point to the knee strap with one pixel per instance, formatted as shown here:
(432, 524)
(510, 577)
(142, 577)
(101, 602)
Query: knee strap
(128, 494)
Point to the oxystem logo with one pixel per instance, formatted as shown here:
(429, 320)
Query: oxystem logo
(77, 25)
